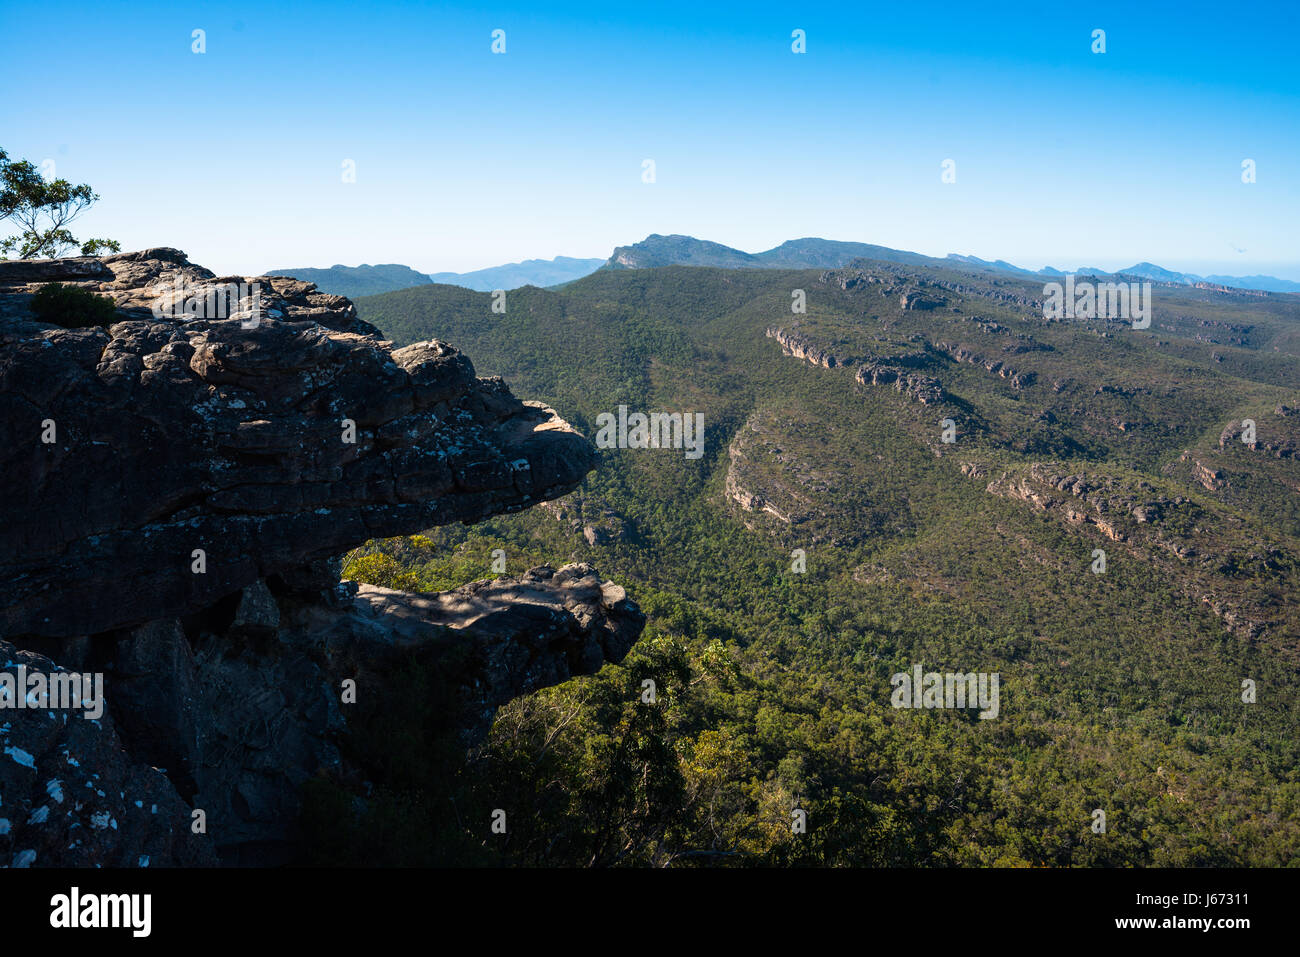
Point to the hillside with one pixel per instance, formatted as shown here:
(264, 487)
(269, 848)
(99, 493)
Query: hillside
(353, 281)
(1122, 689)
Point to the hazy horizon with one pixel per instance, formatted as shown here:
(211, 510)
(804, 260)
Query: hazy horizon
(1280, 270)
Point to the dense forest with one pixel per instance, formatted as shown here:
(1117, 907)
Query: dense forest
(918, 469)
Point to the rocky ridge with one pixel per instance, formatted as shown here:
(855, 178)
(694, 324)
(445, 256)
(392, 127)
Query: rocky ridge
(178, 485)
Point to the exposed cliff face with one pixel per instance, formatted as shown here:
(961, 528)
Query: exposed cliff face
(798, 477)
(263, 448)
(1020, 379)
(72, 797)
(1213, 554)
(801, 347)
(873, 369)
(923, 388)
(176, 486)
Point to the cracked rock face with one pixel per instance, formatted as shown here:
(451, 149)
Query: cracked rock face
(177, 488)
(71, 797)
(154, 466)
(234, 720)
(508, 636)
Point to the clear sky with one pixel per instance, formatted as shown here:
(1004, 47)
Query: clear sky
(466, 159)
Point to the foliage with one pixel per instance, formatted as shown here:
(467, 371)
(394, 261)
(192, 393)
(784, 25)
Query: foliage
(42, 210)
(72, 307)
(1120, 691)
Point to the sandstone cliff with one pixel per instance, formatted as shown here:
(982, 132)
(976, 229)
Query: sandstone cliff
(176, 487)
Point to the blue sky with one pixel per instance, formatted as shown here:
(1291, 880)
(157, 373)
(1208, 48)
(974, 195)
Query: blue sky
(466, 159)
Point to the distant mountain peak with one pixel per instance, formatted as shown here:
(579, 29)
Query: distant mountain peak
(355, 281)
(657, 250)
(676, 249)
(368, 280)
(808, 253)
(1158, 273)
(530, 272)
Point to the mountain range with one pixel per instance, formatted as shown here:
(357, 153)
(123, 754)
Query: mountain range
(914, 468)
(367, 280)
(812, 253)
(353, 281)
(676, 250)
(1145, 270)
(908, 467)
(530, 272)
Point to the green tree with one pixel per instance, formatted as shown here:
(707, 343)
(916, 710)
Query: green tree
(42, 210)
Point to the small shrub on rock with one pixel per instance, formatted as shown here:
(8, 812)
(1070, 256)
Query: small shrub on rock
(72, 307)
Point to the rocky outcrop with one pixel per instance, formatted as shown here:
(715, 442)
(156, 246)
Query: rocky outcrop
(922, 388)
(873, 368)
(163, 277)
(590, 517)
(1086, 499)
(156, 466)
(230, 720)
(70, 795)
(750, 501)
(1029, 304)
(1279, 439)
(1019, 378)
(177, 488)
(911, 300)
(509, 636)
(849, 279)
(801, 347)
(1234, 432)
(1210, 478)
(1215, 555)
(762, 477)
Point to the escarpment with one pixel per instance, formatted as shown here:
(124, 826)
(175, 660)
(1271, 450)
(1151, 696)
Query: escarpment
(178, 485)
(137, 454)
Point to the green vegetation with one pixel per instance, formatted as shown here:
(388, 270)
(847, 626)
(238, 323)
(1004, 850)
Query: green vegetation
(353, 281)
(1121, 691)
(42, 210)
(72, 307)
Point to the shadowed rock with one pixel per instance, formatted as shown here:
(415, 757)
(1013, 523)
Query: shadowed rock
(177, 488)
(128, 451)
(71, 796)
(511, 635)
